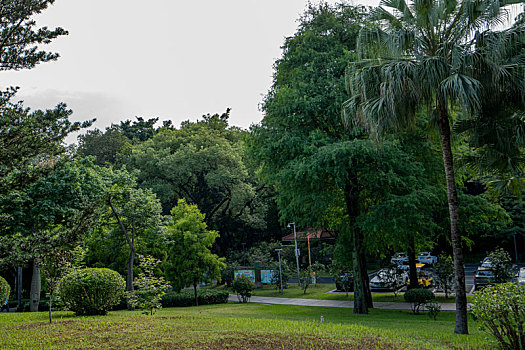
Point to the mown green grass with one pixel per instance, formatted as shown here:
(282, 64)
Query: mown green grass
(237, 326)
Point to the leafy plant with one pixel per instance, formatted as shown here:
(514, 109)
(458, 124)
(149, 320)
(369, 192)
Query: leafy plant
(444, 272)
(501, 265)
(5, 290)
(149, 288)
(56, 264)
(91, 291)
(418, 297)
(305, 280)
(433, 309)
(190, 259)
(243, 287)
(500, 310)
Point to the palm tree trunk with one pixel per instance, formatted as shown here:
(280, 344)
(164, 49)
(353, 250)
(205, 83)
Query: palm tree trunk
(459, 270)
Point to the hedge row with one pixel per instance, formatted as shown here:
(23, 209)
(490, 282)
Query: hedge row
(187, 298)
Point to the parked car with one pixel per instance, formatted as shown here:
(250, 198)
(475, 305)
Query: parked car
(427, 258)
(388, 279)
(483, 277)
(399, 259)
(425, 278)
(345, 279)
(486, 263)
(521, 276)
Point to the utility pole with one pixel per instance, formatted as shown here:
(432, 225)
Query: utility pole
(280, 271)
(296, 252)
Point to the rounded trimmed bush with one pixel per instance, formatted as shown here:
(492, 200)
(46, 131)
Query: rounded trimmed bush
(418, 297)
(5, 290)
(91, 291)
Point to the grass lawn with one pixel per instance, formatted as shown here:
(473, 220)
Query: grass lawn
(321, 292)
(237, 326)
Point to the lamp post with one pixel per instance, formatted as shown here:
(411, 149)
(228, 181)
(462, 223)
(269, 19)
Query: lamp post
(296, 251)
(280, 271)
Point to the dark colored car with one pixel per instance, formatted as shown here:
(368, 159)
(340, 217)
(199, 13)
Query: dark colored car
(345, 282)
(483, 278)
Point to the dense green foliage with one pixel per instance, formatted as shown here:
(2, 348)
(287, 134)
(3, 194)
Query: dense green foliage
(186, 298)
(432, 58)
(501, 264)
(91, 291)
(53, 212)
(500, 310)
(204, 163)
(190, 259)
(5, 291)
(444, 273)
(243, 287)
(18, 38)
(418, 297)
(149, 289)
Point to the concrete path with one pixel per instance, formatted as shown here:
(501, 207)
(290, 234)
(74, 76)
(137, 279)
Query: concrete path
(333, 303)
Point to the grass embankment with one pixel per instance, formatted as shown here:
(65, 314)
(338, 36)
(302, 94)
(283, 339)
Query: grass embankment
(321, 291)
(237, 326)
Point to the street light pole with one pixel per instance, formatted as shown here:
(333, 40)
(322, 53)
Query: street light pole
(296, 252)
(280, 271)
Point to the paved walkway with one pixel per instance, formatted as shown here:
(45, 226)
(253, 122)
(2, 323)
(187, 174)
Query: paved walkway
(334, 303)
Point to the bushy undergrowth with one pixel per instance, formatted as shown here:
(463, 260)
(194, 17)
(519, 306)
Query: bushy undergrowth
(243, 287)
(186, 298)
(91, 291)
(500, 310)
(418, 297)
(5, 290)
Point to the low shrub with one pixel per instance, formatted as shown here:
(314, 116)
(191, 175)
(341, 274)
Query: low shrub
(433, 309)
(5, 290)
(418, 297)
(186, 298)
(91, 291)
(500, 310)
(149, 288)
(243, 287)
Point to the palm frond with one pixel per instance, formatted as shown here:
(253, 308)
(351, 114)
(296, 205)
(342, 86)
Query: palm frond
(463, 88)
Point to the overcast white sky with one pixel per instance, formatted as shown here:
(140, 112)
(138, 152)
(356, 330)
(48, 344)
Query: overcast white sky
(170, 59)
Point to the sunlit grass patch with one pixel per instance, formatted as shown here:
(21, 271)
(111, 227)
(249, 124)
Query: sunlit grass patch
(236, 326)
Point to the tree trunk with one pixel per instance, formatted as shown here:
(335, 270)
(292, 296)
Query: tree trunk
(195, 293)
(131, 244)
(365, 277)
(129, 277)
(459, 270)
(50, 305)
(35, 287)
(361, 287)
(414, 281)
(360, 303)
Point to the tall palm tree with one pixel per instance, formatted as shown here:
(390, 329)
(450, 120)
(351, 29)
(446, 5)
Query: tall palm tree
(423, 55)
